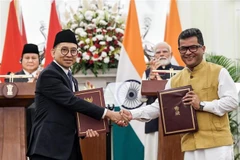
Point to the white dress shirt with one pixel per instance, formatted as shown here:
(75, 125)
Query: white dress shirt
(33, 74)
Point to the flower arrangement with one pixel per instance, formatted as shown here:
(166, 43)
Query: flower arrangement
(99, 30)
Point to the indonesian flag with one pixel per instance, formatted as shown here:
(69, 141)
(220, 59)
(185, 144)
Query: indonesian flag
(12, 49)
(53, 29)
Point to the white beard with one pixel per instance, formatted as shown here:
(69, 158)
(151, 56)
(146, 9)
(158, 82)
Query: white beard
(164, 62)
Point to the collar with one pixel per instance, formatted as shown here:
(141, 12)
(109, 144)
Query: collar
(64, 70)
(198, 67)
(167, 67)
(32, 74)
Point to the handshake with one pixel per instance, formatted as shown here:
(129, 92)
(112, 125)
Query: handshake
(121, 118)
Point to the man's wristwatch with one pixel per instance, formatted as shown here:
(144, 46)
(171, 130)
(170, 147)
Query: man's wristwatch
(202, 105)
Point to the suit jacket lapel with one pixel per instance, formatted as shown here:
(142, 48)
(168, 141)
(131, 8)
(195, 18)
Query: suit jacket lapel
(65, 77)
(21, 79)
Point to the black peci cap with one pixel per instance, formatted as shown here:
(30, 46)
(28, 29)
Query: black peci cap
(65, 36)
(30, 48)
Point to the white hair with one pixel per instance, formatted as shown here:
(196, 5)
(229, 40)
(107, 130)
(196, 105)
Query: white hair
(163, 43)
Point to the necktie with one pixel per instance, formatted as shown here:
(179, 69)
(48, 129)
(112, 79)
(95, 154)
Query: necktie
(70, 79)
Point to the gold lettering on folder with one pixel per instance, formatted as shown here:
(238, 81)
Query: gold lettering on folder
(177, 112)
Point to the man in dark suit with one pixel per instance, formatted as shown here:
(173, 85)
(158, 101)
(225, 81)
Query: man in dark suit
(54, 132)
(30, 61)
(161, 61)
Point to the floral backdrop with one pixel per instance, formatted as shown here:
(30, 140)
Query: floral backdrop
(99, 30)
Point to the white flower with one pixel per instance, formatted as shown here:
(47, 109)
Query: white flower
(99, 30)
(79, 30)
(119, 30)
(102, 42)
(93, 7)
(102, 22)
(91, 26)
(116, 56)
(86, 47)
(83, 34)
(78, 59)
(87, 41)
(104, 54)
(99, 37)
(89, 15)
(74, 25)
(85, 56)
(94, 20)
(118, 19)
(112, 48)
(109, 38)
(110, 28)
(94, 38)
(92, 48)
(82, 24)
(106, 60)
(100, 13)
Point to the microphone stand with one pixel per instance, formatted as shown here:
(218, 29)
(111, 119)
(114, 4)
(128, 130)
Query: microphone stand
(109, 136)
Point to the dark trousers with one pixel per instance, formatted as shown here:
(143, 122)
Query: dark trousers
(38, 157)
(30, 113)
(75, 154)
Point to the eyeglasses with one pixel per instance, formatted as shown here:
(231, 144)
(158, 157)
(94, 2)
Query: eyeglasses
(65, 51)
(192, 48)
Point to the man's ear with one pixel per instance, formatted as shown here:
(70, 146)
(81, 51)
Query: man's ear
(53, 52)
(204, 48)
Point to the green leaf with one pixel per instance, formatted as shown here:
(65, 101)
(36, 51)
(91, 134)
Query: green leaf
(227, 63)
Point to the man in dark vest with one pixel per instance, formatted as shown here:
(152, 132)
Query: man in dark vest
(161, 61)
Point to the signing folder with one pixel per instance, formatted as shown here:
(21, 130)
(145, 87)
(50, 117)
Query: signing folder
(85, 122)
(176, 117)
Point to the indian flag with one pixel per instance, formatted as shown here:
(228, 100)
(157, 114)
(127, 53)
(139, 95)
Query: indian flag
(128, 142)
(172, 30)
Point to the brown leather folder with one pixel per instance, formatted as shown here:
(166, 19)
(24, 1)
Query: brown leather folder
(176, 118)
(84, 122)
(151, 87)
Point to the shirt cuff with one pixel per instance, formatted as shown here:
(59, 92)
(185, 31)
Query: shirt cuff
(137, 116)
(210, 107)
(104, 113)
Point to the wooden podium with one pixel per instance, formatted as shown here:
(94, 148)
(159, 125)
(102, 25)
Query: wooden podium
(169, 147)
(13, 121)
(93, 148)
